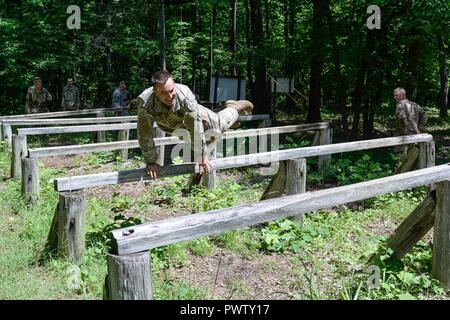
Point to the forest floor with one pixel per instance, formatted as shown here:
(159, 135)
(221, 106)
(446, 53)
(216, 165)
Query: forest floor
(326, 258)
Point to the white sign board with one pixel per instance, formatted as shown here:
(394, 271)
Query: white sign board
(283, 85)
(226, 88)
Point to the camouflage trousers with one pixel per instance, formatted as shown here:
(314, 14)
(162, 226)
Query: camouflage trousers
(220, 121)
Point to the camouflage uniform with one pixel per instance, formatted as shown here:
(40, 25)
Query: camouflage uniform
(411, 119)
(121, 99)
(37, 102)
(186, 113)
(70, 98)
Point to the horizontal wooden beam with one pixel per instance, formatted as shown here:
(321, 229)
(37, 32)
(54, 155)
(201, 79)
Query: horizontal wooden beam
(151, 235)
(255, 117)
(76, 129)
(38, 122)
(281, 155)
(60, 113)
(110, 178)
(130, 144)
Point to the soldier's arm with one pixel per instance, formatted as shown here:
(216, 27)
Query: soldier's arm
(401, 118)
(422, 119)
(193, 123)
(145, 136)
(48, 95)
(62, 99)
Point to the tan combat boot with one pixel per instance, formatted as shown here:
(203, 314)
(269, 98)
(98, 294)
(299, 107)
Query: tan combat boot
(243, 107)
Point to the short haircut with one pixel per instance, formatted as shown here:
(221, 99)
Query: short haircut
(70, 79)
(400, 91)
(37, 79)
(161, 77)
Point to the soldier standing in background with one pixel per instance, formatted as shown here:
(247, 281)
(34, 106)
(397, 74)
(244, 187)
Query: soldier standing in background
(38, 98)
(122, 98)
(411, 119)
(70, 98)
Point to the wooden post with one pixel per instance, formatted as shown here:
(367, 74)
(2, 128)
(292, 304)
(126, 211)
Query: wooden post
(129, 277)
(266, 123)
(1, 131)
(101, 135)
(413, 228)
(209, 180)
(296, 181)
(412, 159)
(70, 220)
(124, 135)
(19, 150)
(441, 241)
(158, 133)
(30, 180)
(426, 155)
(326, 137)
(7, 133)
(277, 185)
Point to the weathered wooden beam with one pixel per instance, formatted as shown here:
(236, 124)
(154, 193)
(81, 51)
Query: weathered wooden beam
(101, 135)
(411, 160)
(158, 133)
(296, 181)
(441, 240)
(40, 122)
(413, 228)
(103, 179)
(81, 182)
(30, 180)
(60, 113)
(7, 133)
(19, 150)
(280, 155)
(129, 277)
(255, 117)
(209, 180)
(150, 235)
(427, 155)
(71, 216)
(76, 129)
(124, 135)
(277, 185)
(109, 146)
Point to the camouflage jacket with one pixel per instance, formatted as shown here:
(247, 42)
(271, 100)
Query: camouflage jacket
(37, 102)
(411, 118)
(186, 113)
(70, 99)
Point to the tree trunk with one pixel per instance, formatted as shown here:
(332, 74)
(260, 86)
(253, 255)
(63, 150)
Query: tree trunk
(233, 36)
(249, 46)
(443, 75)
(289, 31)
(259, 93)
(318, 35)
(211, 57)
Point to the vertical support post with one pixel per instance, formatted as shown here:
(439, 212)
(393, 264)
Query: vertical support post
(129, 277)
(7, 133)
(158, 133)
(326, 137)
(19, 150)
(1, 130)
(30, 180)
(70, 221)
(209, 180)
(296, 180)
(266, 123)
(124, 135)
(426, 155)
(441, 241)
(101, 135)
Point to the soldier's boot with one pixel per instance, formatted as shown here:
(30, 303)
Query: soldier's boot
(243, 107)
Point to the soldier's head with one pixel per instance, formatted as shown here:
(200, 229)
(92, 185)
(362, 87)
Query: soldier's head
(37, 83)
(164, 88)
(70, 81)
(122, 85)
(399, 94)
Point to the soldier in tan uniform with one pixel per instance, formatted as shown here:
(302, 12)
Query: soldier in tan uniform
(173, 106)
(411, 119)
(38, 98)
(70, 98)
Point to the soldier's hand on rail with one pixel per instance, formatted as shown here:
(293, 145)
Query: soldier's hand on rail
(205, 166)
(153, 170)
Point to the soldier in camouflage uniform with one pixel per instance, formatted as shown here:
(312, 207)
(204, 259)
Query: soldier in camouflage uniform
(173, 106)
(411, 119)
(38, 98)
(70, 98)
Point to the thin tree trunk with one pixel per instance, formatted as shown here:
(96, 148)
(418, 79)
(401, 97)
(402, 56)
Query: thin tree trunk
(249, 45)
(443, 76)
(233, 36)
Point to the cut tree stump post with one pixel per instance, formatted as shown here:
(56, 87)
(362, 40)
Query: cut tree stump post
(124, 135)
(412, 159)
(19, 150)
(426, 155)
(413, 228)
(296, 180)
(158, 133)
(326, 137)
(30, 180)
(7, 133)
(101, 135)
(441, 241)
(277, 185)
(129, 277)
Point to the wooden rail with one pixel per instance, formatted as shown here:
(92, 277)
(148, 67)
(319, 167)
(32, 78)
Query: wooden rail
(88, 181)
